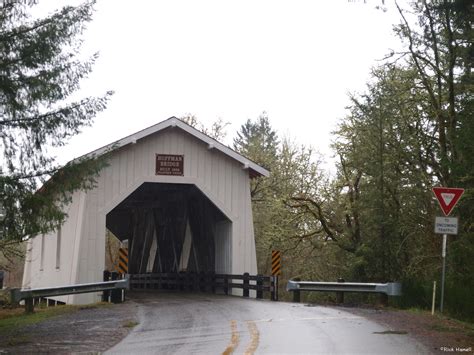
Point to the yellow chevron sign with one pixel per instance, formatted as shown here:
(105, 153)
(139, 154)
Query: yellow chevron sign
(123, 261)
(276, 262)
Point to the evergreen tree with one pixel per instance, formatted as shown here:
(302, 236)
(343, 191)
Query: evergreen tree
(39, 70)
(258, 141)
(294, 170)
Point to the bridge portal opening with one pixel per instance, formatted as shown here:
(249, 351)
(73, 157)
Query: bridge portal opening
(172, 228)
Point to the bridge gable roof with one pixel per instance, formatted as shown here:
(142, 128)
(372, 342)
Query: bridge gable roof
(255, 170)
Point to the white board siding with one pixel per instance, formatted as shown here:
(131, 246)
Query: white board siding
(50, 276)
(221, 178)
(223, 239)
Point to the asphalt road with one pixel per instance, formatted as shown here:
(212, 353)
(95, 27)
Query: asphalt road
(210, 324)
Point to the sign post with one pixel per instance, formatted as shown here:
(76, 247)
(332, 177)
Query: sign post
(276, 271)
(447, 198)
(443, 273)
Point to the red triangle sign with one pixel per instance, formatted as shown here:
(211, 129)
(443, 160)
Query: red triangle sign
(447, 197)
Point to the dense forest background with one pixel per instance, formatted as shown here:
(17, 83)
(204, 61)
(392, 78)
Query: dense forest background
(373, 220)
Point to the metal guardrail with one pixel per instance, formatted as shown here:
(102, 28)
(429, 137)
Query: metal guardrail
(28, 295)
(387, 289)
(390, 289)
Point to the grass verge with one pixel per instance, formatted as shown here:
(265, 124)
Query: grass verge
(445, 324)
(11, 320)
(130, 324)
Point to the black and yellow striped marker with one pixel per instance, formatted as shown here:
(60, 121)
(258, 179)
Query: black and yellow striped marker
(276, 262)
(123, 261)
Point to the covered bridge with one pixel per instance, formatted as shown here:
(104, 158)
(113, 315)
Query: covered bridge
(180, 198)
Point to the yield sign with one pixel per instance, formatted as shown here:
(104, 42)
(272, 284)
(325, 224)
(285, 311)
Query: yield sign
(447, 197)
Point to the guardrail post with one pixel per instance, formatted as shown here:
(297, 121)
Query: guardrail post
(207, 281)
(147, 280)
(259, 286)
(188, 280)
(226, 284)
(154, 280)
(212, 280)
(384, 299)
(340, 294)
(15, 296)
(185, 280)
(159, 281)
(29, 305)
(246, 284)
(172, 280)
(296, 293)
(195, 281)
(181, 281)
(106, 293)
(202, 283)
(274, 288)
(122, 291)
(115, 295)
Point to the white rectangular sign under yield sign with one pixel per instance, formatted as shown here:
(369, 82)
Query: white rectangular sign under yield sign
(446, 225)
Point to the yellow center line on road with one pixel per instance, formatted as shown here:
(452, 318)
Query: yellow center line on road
(234, 340)
(254, 338)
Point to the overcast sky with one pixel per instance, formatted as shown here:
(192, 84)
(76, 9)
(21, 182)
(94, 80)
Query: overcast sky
(296, 60)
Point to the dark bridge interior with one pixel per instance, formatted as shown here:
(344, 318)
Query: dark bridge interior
(170, 228)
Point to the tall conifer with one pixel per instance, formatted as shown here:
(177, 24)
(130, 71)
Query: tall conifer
(40, 69)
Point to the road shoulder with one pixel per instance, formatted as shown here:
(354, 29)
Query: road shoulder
(89, 329)
(440, 335)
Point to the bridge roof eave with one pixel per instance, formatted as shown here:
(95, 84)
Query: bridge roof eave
(255, 170)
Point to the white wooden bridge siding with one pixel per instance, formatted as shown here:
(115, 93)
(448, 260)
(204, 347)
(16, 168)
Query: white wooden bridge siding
(222, 179)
